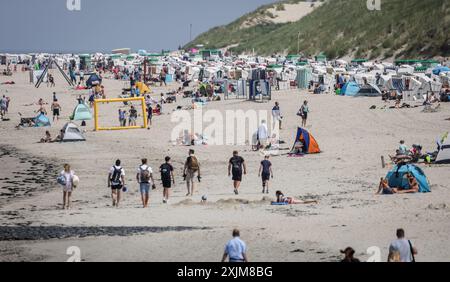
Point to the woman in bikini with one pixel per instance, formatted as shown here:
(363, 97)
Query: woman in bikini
(291, 201)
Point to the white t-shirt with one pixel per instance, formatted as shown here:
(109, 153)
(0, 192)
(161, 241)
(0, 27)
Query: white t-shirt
(402, 246)
(69, 178)
(144, 168)
(263, 132)
(113, 168)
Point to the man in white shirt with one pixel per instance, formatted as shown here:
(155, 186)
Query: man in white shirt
(277, 116)
(235, 249)
(144, 177)
(403, 247)
(116, 181)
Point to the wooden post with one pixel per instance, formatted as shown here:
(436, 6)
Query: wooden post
(383, 163)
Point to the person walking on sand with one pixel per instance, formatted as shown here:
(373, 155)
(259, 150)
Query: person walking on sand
(190, 172)
(265, 171)
(145, 179)
(277, 116)
(116, 181)
(235, 249)
(3, 106)
(67, 176)
(167, 179)
(237, 166)
(149, 116)
(304, 112)
(56, 109)
(404, 247)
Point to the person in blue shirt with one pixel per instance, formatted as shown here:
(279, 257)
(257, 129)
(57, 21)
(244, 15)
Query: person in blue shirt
(236, 249)
(402, 149)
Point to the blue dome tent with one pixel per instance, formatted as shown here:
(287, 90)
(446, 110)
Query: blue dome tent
(397, 177)
(350, 89)
(42, 121)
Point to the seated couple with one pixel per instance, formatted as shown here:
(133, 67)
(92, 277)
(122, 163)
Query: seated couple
(384, 188)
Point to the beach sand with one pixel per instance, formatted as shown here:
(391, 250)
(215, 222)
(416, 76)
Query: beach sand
(343, 179)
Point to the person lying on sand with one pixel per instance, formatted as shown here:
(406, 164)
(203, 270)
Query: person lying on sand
(400, 158)
(291, 201)
(384, 189)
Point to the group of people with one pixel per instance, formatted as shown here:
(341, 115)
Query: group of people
(145, 179)
(191, 174)
(385, 189)
(400, 250)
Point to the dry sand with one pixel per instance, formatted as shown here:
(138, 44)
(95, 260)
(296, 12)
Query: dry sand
(290, 13)
(343, 179)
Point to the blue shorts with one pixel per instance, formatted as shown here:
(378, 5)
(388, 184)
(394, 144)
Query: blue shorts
(145, 188)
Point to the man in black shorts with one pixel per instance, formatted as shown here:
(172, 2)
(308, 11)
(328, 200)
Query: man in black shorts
(56, 109)
(265, 171)
(236, 166)
(167, 178)
(116, 181)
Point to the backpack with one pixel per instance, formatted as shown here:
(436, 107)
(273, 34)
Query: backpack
(116, 176)
(193, 163)
(145, 175)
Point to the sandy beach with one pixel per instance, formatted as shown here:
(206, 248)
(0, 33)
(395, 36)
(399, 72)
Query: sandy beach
(343, 178)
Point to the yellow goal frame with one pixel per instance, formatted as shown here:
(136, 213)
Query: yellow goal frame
(119, 100)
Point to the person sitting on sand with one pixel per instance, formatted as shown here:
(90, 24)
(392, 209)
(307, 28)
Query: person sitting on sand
(60, 137)
(291, 201)
(384, 188)
(47, 138)
(402, 149)
(413, 185)
(349, 255)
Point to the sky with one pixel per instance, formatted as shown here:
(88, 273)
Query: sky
(103, 25)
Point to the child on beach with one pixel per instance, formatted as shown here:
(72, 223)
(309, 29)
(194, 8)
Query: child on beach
(265, 171)
(68, 176)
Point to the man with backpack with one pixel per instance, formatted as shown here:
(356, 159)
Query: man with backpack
(191, 171)
(144, 177)
(116, 181)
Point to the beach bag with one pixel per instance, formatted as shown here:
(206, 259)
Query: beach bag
(300, 112)
(193, 163)
(145, 175)
(75, 181)
(61, 180)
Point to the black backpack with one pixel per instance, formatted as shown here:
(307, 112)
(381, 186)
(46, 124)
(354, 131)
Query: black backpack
(116, 176)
